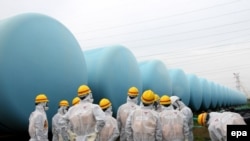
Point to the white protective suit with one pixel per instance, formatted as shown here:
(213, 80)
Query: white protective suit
(143, 124)
(110, 131)
(217, 124)
(38, 124)
(123, 113)
(174, 125)
(188, 114)
(85, 118)
(59, 132)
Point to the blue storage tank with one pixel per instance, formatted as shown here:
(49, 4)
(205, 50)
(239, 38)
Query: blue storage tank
(206, 94)
(195, 92)
(224, 100)
(238, 97)
(214, 95)
(112, 71)
(155, 76)
(37, 55)
(180, 85)
(234, 97)
(220, 94)
(227, 96)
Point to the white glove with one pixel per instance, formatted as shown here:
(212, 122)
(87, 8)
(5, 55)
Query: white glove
(72, 136)
(186, 139)
(92, 136)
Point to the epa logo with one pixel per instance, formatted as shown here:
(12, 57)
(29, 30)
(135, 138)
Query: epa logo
(237, 132)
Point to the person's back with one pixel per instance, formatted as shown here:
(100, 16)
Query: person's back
(186, 111)
(235, 118)
(85, 118)
(82, 118)
(125, 109)
(172, 122)
(123, 112)
(143, 124)
(218, 124)
(60, 132)
(174, 125)
(188, 114)
(110, 130)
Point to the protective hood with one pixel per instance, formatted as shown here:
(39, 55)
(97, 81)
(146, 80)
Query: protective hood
(134, 100)
(109, 112)
(40, 107)
(89, 98)
(151, 107)
(170, 107)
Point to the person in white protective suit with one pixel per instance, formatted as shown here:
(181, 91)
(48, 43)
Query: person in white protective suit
(110, 131)
(217, 123)
(174, 125)
(125, 109)
(186, 111)
(87, 119)
(69, 126)
(60, 133)
(143, 124)
(38, 123)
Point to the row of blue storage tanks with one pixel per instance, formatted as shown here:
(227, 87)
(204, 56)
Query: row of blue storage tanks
(38, 54)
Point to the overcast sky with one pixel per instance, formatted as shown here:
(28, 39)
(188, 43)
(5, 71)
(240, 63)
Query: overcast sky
(209, 38)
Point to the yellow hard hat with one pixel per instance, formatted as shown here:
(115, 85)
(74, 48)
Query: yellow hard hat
(76, 100)
(133, 91)
(83, 90)
(202, 119)
(148, 97)
(157, 98)
(104, 103)
(165, 100)
(41, 98)
(63, 103)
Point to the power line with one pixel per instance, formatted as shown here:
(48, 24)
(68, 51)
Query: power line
(187, 39)
(172, 34)
(240, 50)
(203, 57)
(210, 46)
(201, 47)
(154, 19)
(207, 45)
(194, 38)
(172, 25)
(225, 69)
